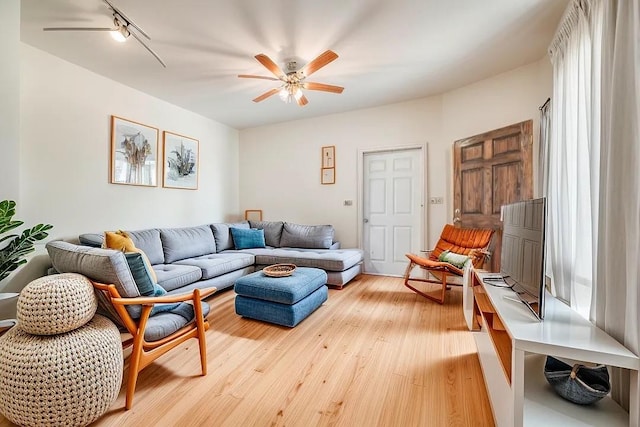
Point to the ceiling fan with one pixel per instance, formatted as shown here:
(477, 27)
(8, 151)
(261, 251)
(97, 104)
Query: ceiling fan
(123, 28)
(293, 81)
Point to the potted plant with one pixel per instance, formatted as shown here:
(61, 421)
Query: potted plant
(14, 247)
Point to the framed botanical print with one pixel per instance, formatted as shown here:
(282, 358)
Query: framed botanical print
(134, 153)
(180, 165)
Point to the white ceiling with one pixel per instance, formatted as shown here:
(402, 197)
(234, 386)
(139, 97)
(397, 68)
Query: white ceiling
(390, 51)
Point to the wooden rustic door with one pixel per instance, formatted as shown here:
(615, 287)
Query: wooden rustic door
(490, 170)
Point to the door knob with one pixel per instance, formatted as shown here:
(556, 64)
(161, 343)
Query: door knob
(456, 216)
(366, 220)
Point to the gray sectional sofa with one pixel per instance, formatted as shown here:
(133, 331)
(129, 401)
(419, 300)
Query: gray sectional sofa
(197, 257)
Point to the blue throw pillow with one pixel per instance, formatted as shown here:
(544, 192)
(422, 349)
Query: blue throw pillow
(159, 291)
(145, 283)
(246, 238)
(140, 273)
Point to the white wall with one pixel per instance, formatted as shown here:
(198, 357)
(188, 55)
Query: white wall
(280, 164)
(65, 144)
(10, 99)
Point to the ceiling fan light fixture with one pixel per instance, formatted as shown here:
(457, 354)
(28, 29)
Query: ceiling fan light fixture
(284, 94)
(293, 81)
(290, 92)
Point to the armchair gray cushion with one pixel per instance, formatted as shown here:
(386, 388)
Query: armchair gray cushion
(106, 266)
(164, 324)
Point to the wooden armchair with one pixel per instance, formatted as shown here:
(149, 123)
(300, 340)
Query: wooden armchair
(464, 241)
(147, 349)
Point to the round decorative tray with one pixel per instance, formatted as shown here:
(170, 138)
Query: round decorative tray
(279, 270)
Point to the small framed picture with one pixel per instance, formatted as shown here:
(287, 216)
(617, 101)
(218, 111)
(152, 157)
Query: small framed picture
(180, 161)
(329, 156)
(328, 176)
(134, 153)
(253, 214)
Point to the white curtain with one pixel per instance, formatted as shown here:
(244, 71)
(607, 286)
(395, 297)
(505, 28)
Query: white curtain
(572, 192)
(544, 140)
(544, 144)
(594, 168)
(616, 300)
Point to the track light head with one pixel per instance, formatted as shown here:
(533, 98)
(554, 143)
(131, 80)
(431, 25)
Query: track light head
(120, 33)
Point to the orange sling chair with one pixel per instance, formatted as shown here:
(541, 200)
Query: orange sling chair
(463, 241)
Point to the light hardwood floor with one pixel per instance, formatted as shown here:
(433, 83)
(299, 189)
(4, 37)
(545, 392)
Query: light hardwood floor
(375, 354)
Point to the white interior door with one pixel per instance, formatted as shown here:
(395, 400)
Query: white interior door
(393, 208)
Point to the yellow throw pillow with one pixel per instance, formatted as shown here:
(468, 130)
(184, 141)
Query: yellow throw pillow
(121, 241)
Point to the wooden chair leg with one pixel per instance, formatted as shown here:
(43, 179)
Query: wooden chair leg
(407, 277)
(202, 340)
(136, 356)
(407, 272)
(444, 287)
(134, 369)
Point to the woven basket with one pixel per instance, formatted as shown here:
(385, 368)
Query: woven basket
(579, 384)
(279, 270)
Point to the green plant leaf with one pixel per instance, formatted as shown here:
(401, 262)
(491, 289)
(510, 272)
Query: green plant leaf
(8, 268)
(7, 211)
(10, 236)
(12, 254)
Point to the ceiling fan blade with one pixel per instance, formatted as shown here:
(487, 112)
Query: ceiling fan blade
(270, 65)
(148, 48)
(322, 60)
(323, 87)
(78, 29)
(302, 101)
(126, 18)
(266, 95)
(251, 76)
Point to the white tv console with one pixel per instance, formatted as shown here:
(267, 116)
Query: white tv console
(512, 347)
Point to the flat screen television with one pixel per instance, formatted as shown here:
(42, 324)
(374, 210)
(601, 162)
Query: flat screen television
(523, 251)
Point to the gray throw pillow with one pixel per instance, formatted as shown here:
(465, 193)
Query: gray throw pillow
(307, 236)
(272, 231)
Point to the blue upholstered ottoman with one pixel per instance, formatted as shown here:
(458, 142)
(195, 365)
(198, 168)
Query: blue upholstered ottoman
(284, 301)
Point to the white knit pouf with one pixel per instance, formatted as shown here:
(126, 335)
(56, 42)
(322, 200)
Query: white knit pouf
(56, 304)
(60, 365)
(68, 379)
